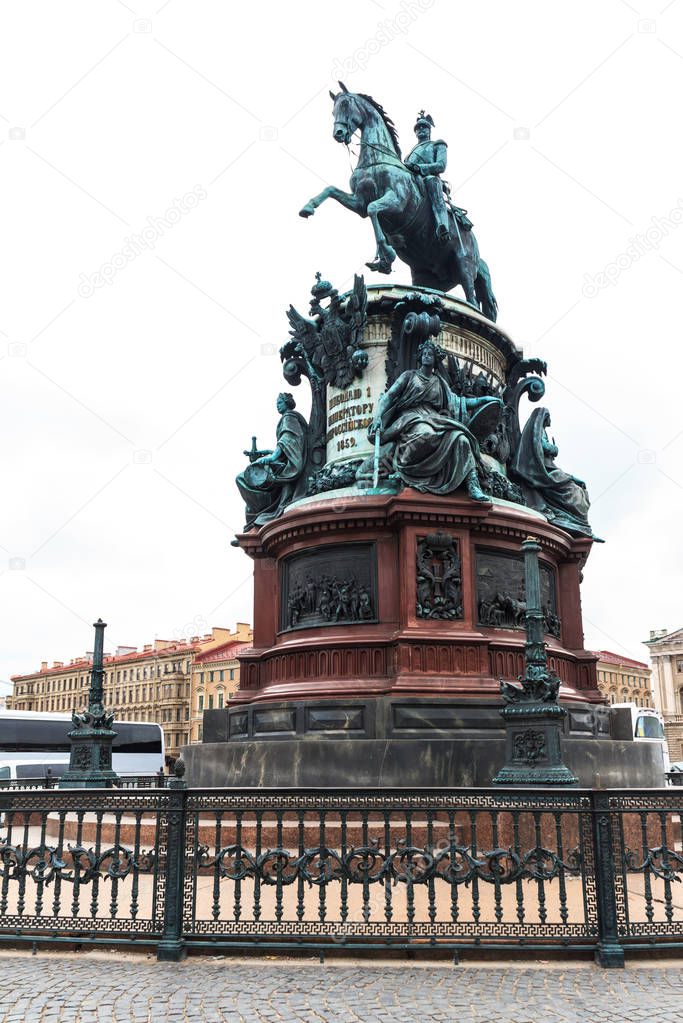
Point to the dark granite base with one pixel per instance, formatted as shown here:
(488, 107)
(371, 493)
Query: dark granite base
(465, 761)
(381, 717)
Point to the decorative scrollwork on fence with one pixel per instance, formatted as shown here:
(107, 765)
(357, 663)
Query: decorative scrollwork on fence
(365, 864)
(115, 863)
(500, 866)
(233, 862)
(410, 864)
(41, 863)
(405, 864)
(277, 866)
(664, 863)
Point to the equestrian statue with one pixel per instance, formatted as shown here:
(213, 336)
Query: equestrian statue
(409, 205)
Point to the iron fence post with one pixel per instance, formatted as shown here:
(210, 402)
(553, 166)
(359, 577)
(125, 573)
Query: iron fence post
(609, 952)
(172, 948)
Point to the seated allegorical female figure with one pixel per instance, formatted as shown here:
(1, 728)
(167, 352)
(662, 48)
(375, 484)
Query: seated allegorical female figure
(561, 497)
(269, 482)
(423, 441)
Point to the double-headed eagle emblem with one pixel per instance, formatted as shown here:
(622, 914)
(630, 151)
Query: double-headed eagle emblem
(331, 342)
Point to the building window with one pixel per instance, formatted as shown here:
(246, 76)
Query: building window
(221, 675)
(232, 674)
(200, 702)
(220, 700)
(211, 702)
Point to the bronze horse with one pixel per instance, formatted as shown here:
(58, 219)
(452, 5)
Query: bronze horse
(385, 190)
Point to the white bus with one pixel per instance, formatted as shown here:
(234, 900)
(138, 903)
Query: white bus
(640, 724)
(35, 738)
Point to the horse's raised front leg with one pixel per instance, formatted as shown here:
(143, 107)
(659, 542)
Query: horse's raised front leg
(348, 199)
(386, 254)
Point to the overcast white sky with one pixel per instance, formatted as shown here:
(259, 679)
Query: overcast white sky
(126, 407)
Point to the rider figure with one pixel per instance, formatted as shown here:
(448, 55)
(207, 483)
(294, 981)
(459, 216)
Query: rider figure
(428, 160)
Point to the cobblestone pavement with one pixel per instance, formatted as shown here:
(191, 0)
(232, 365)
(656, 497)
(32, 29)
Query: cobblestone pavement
(125, 988)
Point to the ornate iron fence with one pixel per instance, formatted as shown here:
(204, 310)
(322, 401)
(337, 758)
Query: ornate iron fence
(418, 869)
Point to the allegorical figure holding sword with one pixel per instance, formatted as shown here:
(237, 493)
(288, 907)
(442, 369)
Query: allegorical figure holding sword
(428, 160)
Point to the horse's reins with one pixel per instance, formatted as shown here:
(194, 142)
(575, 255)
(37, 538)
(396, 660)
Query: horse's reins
(378, 148)
(399, 163)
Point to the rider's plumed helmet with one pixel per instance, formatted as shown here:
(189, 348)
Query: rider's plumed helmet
(423, 118)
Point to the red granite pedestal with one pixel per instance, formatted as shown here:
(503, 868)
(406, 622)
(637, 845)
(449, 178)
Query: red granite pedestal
(396, 698)
(399, 653)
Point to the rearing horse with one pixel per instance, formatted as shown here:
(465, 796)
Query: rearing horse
(385, 190)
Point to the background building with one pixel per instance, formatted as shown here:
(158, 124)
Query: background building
(152, 684)
(666, 653)
(216, 676)
(623, 680)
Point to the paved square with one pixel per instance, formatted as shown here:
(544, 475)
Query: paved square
(119, 987)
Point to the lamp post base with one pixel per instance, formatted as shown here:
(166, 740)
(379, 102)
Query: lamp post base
(533, 755)
(90, 761)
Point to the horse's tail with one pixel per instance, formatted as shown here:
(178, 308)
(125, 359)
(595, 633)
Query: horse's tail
(484, 291)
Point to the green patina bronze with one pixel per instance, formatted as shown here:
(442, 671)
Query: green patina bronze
(408, 204)
(92, 735)
(274, 478)
(423, 440)
(532, 714)
(561, 497)
(440, 425)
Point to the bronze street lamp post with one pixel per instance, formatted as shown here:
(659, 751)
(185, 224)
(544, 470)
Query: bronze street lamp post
(533, 717)
(92, 735)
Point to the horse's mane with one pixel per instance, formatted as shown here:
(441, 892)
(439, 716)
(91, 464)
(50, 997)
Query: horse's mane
(389, 124)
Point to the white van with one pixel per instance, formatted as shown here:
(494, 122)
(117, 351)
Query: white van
(639, 724)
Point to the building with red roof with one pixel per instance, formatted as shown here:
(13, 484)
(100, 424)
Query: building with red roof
(215, 677)
(151, 684)
(624, 680)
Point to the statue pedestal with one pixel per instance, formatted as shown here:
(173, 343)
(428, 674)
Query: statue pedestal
(384, 621)
(400, 697)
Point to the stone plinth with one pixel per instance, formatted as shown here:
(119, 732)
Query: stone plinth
(399, 698)
(399, 648)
